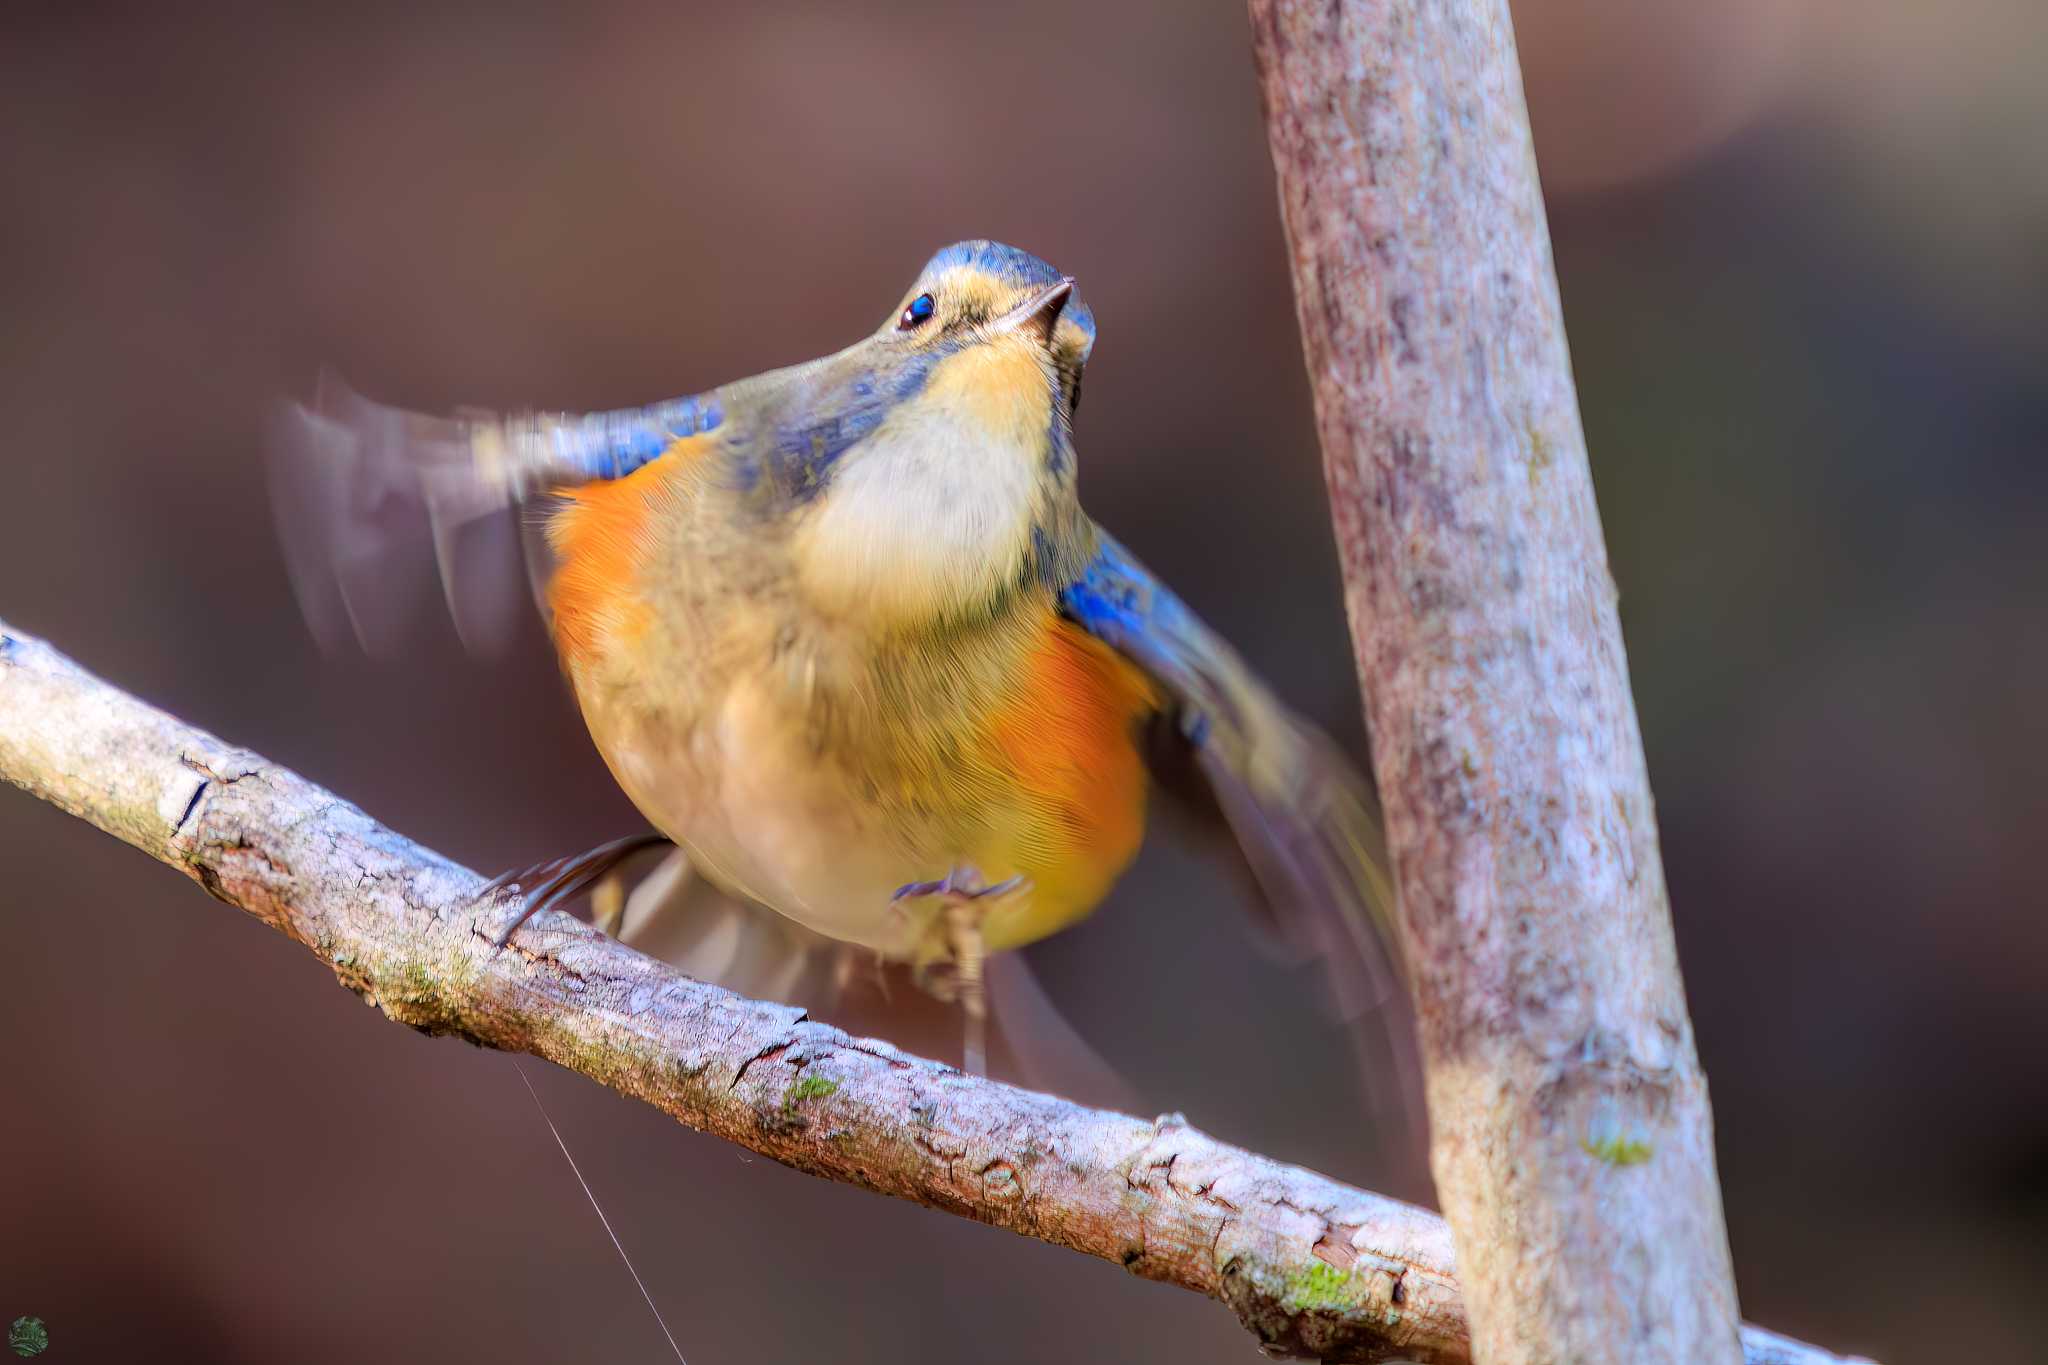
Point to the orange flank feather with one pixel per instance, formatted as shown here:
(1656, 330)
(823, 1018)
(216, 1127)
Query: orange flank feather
(1069, 742)
(599, 533)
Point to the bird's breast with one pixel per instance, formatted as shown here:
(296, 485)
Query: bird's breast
(933, 512)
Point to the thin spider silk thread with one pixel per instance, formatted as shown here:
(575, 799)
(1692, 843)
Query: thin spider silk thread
(599, 1209)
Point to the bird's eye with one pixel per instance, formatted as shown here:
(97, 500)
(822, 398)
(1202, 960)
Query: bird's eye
(918, 313)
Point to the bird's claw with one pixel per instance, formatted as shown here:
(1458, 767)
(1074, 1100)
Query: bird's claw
(953, 969)
(963, 883)
(559, 880)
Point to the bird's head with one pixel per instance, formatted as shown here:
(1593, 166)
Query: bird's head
(983, 293)
(927, 467)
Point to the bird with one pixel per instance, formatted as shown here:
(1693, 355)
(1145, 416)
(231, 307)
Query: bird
(844, 634)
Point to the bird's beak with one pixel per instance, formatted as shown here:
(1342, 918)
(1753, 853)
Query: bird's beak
(1039, 314)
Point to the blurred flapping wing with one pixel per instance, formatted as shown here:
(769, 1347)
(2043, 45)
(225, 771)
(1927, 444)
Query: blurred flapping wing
(1301, 812)
(373, 502)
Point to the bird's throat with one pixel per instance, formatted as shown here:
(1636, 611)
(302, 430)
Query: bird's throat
(933, 514)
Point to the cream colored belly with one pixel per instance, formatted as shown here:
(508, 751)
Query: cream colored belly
(739, 786)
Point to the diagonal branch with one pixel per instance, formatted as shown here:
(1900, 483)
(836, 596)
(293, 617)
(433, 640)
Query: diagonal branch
(1311, 1266)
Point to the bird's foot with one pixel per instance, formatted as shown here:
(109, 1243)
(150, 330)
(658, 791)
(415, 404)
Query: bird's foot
(962, 883)
(544, 886)
(949, 963)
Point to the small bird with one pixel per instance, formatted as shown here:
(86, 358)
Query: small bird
(844, 634)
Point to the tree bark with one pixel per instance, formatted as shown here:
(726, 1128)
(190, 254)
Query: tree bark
(1571, 1137)
(1312, 1267)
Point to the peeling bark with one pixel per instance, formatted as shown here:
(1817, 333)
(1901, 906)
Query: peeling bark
(1314, 1268)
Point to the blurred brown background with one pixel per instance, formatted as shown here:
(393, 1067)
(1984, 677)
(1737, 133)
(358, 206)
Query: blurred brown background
(1802, 248)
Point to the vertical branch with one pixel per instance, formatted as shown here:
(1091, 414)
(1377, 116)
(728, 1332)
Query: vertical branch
(1571, 1136)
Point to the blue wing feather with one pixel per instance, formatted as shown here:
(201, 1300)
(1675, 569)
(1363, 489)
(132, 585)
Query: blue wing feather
(369, 496)
(1299, 808)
